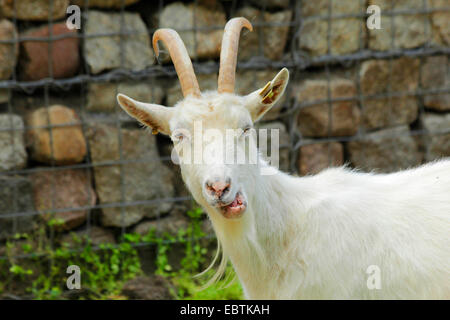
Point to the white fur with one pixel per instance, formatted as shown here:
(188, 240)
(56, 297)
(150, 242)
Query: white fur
(314, 237)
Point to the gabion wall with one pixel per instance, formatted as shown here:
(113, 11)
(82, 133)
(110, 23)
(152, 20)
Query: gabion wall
(373, 99)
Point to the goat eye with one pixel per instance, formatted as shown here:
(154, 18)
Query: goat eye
(179, 137)
(246, 130)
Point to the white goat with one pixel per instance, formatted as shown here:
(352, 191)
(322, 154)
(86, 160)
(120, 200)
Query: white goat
(314, 237)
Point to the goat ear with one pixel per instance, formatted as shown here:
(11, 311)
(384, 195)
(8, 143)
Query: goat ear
(262, 100)
(155, 116)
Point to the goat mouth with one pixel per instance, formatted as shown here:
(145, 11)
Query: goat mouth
(236, 208)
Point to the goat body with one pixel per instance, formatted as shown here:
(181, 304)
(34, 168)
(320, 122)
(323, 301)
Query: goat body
(315, 237)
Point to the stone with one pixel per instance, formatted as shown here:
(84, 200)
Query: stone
(375, 79)
(438, 147)
(16, 197)
(272, 4)
(106, 4)
(211, 19)
(346, 34)
(12, 143)
(274, 38)
(315, 157)
(4, 95)
(96, 236)
(8, 51)
(313, 121)
(313, 37)
(282, 146)
(248, 81)
(205, 82)
(171, 225)
(34, 58)
(438, 141)
(145, 178)
(66, 143)
(386, 150)
(411, 30)
(409, 33)
(436, 123)
(101, 96)
(104, 53)
(436, 75)
(320, 8)
(440, 22)
(61, 190)
(36, 10)
(147, 288)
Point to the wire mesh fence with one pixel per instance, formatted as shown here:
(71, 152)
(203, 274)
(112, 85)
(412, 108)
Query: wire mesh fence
(358, 96)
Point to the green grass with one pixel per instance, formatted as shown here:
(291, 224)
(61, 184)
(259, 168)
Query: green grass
(105, 271)
(190, 288)
(217, 292)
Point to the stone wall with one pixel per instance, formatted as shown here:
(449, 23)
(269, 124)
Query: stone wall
(65, 146)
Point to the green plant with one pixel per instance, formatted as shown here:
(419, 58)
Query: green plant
(105, 268)
(195, 253)
(188, 287)
(55, 222)
(20, 271)
(192, 289)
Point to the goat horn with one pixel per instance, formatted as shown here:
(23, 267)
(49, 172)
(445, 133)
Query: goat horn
(180, 59)
(228, 53)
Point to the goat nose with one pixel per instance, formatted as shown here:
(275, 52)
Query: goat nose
(218, 188)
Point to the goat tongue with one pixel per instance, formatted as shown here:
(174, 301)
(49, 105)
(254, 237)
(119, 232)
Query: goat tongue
(235, 208)
(234, 203)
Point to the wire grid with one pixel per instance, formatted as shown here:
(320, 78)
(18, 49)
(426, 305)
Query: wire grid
(294, 59)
